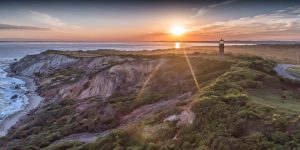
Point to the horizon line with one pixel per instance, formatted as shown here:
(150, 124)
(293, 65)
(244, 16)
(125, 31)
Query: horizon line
(191, 41)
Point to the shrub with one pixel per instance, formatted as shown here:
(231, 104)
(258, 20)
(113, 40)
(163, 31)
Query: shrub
(236, 99)
(279, 121)
(64, 146)
(115, 140)
(280, 137)
(159, 132)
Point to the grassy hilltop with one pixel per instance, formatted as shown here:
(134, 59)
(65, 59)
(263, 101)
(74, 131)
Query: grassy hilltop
(241, 104)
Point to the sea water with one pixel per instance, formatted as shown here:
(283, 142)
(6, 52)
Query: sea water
(21, 49)
(12, 93)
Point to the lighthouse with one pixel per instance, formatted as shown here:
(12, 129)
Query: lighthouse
(221, 47)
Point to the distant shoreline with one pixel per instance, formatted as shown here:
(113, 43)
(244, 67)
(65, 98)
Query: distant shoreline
(229, 41)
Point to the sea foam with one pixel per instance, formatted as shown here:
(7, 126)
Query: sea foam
(12, 93)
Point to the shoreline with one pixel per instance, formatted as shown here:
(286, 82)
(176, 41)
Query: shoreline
(33, 102)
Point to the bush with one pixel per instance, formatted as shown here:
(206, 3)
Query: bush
(64, 146)
(280, 137)
(159, 132)
(279, 121)
(239, 99)
(115, 140)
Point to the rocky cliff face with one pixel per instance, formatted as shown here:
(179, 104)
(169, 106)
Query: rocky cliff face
(127, 76)
(100, 76)
(42, 64)
(61, 76)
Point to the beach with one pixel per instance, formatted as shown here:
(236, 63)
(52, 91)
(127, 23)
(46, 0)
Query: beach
(33, 101)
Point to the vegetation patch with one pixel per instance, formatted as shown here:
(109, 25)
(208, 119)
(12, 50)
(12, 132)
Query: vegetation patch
(281, 99)
(59, 119)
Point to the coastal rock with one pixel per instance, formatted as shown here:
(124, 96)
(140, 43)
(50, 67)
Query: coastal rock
(103, 84)
(42, 63)
(102, 75)
(14, 97)
(17, 87)
(172, 118)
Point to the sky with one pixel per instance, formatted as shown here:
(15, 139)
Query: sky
(203, 20)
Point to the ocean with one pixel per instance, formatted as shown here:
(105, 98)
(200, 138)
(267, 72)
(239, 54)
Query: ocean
(20, 49)
(13, 91)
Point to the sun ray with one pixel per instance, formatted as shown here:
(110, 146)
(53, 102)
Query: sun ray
(141, 92)
(179, 30)
(191, 69)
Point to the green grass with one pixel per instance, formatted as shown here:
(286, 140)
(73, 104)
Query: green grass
(273, 98)
(295, 71)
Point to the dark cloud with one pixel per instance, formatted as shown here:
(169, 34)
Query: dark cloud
(113, 3)
(18, 27)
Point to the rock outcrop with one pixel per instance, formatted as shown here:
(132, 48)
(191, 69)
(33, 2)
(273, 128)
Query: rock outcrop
(127, 75)
(101, 75)
(42, 63)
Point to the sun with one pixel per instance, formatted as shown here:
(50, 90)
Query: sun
(178, 30)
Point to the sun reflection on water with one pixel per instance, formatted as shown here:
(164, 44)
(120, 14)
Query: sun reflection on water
(177, 45)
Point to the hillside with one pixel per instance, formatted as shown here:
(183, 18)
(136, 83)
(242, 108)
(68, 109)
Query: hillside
(148, 100)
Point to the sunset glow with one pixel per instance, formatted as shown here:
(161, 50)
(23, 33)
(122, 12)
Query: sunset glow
(153, 21)
(178, 30)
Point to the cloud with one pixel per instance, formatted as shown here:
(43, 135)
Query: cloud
(203, 10)
(52, 21)
(285, 21)
(18, 27)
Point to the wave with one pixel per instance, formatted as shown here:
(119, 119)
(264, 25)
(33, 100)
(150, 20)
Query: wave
(12, 93)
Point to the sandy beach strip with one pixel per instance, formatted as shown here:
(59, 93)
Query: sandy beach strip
(33, 101)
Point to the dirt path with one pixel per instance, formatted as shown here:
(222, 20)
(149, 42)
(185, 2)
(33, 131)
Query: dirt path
(281, 70)
(133, 117)
(146, 110)
(83, 137)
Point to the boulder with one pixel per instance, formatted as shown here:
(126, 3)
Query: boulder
(14, 97)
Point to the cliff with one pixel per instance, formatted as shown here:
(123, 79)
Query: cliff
(89, 77)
